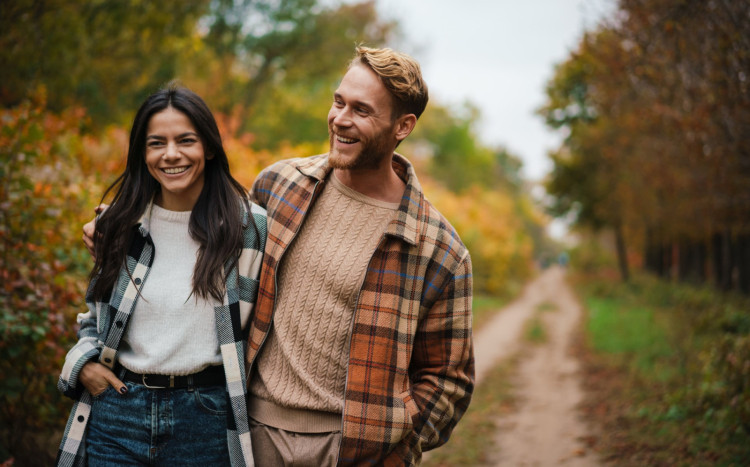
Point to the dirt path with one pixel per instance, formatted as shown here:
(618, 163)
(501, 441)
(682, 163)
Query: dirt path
(546, 429)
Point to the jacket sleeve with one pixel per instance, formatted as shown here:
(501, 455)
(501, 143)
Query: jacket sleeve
(442, 367)
(86, 349)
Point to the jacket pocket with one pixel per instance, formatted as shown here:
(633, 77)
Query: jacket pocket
(410, 406)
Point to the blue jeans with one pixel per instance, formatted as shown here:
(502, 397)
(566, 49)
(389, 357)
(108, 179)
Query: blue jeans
(159, 427)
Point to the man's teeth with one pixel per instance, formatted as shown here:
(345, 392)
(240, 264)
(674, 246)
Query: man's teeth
(346, 140)
(175, 170)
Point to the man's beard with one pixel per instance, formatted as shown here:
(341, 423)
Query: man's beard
(369, 157)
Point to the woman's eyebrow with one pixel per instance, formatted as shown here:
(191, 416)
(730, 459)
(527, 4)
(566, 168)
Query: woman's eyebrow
(181, 135)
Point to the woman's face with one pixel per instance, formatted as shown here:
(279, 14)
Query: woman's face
(175, 158)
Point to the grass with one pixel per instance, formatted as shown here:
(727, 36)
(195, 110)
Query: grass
(535, 330)
(660, 373)
(474, 436)
(632, 332)
(545, 307)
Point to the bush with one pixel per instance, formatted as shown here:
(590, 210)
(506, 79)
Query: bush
(686, 350)
(42, 274)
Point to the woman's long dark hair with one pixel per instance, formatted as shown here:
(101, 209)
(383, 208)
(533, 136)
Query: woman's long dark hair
(215, 222)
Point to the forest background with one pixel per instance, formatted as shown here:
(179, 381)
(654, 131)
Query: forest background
(653, 104)
(74, 73)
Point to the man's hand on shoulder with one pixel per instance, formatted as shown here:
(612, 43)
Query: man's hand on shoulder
(90, 227)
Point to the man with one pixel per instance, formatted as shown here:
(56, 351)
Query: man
(359, 350)
(362, 328)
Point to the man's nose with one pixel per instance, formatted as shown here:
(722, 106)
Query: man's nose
(342, 117)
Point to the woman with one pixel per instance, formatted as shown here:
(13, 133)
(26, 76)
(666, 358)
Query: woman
(158, 371)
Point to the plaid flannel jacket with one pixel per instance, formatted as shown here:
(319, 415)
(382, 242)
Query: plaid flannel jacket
(411, 364)
(103, 326)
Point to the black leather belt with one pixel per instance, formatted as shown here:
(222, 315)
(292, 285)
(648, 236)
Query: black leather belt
(211, 376)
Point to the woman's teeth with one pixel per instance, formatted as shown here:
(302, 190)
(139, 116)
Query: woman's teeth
(175, 170)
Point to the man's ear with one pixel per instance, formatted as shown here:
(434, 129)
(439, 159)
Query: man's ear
(404, 126)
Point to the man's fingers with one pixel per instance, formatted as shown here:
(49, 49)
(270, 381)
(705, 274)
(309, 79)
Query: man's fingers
(89, 229)
(89, 243)
(88, 235)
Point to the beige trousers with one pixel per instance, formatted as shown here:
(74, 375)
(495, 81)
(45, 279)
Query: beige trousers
(274, 447)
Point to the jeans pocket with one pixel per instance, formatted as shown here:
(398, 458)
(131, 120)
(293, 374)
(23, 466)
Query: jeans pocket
(104, 393)
(212, 400)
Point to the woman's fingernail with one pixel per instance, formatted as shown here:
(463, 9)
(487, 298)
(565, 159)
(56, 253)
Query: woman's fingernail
(123, 390)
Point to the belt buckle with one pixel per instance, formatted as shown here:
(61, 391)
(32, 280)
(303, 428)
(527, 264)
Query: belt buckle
(143, 380)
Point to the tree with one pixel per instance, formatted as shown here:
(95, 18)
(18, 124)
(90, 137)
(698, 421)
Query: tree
(273, 65)
(653, 103)
(106, 56)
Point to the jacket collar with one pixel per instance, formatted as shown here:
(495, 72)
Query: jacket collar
(144, 223)
(406, 223)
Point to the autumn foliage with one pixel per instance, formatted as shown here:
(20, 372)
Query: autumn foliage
(656, 107)
(74, 74)
(54, 173)
(41, 196)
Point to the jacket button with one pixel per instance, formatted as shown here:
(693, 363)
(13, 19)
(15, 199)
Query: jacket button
(137, 281)
(80, 418)
(118, 324)
(108, 360)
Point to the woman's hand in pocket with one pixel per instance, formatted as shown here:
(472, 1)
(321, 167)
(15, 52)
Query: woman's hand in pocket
(96, 378)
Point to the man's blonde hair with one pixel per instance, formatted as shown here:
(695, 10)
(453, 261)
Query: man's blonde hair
(401, 76)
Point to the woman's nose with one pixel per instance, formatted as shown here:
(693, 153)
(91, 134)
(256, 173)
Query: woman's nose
(170, 151)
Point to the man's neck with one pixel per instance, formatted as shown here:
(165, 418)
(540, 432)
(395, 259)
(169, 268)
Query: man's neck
(380, 183)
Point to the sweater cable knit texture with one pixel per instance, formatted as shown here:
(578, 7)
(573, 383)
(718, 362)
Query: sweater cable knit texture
(303, 365)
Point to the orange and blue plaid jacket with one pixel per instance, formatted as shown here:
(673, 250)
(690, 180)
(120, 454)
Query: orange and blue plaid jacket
(411, 364)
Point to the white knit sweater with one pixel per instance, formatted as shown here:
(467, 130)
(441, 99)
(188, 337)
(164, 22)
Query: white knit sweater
(170, 332)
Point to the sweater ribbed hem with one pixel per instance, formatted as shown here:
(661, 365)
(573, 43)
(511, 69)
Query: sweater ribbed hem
(296, 420)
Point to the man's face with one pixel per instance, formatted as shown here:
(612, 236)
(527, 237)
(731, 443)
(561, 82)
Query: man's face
(361, 130)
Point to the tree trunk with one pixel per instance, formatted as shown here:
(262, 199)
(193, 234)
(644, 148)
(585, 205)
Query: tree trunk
(684, 258)
(654, 253)
(722, 260)
(622, 257)
(692, 261)
(700, 261)
(666, 254)
(743, 263)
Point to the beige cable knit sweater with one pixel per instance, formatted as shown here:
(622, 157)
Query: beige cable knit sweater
(301, 371)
